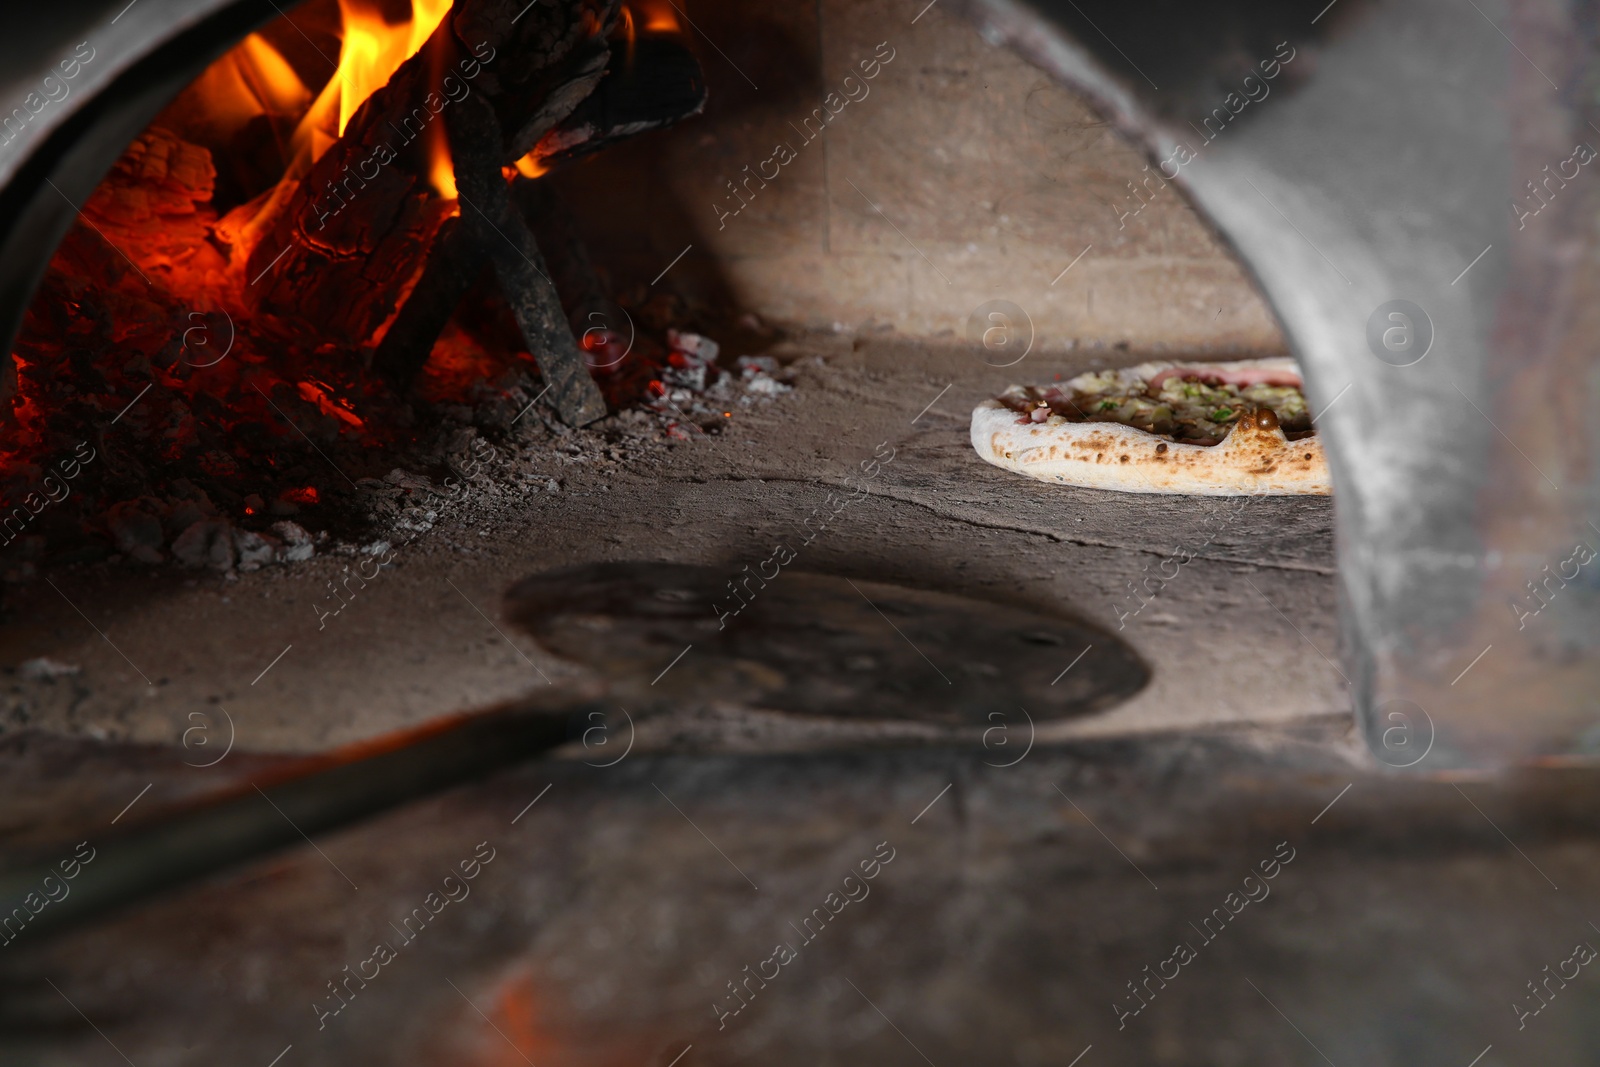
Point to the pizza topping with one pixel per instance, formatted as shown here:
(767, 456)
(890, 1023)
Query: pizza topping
(1240, 376)
(1197, 405)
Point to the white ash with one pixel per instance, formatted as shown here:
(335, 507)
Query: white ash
(206, 543)
(198, 535)
(45, 669)
(697, 389)
(297, 542)
(531, 452)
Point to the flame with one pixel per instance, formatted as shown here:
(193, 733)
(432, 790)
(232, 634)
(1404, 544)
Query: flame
(441, 168)
(655, 18)
(371, 51)
(659, 16)
(249, 81)
(269, 77)
(531, 166)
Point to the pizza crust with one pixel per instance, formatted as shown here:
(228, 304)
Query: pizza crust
(1255, 457)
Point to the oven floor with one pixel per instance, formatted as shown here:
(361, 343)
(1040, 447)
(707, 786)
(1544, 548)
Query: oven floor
(1244, 633)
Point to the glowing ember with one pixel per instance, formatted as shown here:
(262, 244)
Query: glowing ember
(146, 326)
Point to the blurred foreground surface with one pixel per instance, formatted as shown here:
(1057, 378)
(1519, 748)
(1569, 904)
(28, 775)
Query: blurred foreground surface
(1401, 925)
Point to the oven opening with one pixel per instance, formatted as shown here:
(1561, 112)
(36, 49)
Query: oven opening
(681, 532)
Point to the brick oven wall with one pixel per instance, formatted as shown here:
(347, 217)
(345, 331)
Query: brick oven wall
(989, 177)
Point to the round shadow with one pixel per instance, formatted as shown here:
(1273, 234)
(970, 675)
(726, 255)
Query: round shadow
(822, 645)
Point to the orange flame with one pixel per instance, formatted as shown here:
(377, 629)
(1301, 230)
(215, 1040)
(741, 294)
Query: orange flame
(531, 166)
(441, 168)
(659, 16)
(372, 50)
(247, 82)
(269, 76)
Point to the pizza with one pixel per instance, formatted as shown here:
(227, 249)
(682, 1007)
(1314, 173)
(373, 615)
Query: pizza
(1208, 429)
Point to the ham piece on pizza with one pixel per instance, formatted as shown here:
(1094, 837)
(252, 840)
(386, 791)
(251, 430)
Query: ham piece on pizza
(1205, 429)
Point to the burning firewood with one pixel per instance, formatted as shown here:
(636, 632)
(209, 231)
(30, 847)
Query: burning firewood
(204, 323)
(649, 83)
(589, 307)
(451, 268)
(342, 247)
(524, 278)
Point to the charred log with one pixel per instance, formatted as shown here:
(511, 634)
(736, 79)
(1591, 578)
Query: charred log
(497, 227)
(651, 83)
(585, 299)
(445, 279)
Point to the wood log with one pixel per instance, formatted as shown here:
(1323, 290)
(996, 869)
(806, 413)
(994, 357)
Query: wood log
(584, 299)
(649, 83)
(449, 273)
(498, 228)
(356, 231)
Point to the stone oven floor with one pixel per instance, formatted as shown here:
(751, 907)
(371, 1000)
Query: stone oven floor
(1245, 633)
